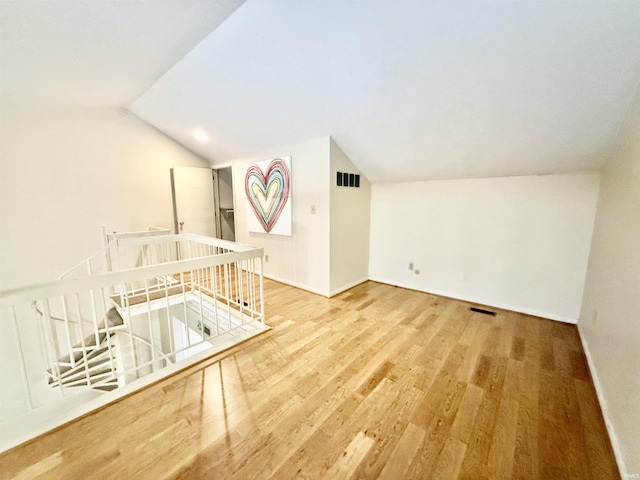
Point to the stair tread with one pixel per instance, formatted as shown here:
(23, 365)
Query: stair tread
(109, 387)
(113, 319)
(80, 370)
(65, 366)
(94, 362)
(87, 348)
(139, 298)
(84, 380)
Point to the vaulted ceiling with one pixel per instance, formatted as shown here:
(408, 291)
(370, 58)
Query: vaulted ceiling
(96, 53)
(410, 90)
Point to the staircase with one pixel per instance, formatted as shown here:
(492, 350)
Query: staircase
(145, 301)
(92, 362)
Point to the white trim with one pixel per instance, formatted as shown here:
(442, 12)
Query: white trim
(307, 288)
(51, 414)
(348, 286)
(222, 166)
(62, 287)
(152, 232)
(615, 443)
(301, 286)
(503, 306)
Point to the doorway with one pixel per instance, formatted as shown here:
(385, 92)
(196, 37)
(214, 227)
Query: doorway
(203, 201)
(193, 200)
(223, 191)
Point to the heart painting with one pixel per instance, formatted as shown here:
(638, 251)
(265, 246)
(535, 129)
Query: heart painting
(268, 187)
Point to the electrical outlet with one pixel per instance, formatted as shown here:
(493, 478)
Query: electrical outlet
(266, 258)
(411, 266)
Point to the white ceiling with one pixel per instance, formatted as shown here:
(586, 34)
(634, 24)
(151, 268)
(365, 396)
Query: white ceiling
(411, 90)
(96, 52)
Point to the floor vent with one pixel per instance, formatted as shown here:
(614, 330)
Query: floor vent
(486, 312)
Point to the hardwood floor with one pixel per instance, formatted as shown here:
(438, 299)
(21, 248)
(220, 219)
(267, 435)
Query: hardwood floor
(378, 382)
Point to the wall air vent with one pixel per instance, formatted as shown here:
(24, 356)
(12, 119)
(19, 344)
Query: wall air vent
(347, 180)
(485, 312)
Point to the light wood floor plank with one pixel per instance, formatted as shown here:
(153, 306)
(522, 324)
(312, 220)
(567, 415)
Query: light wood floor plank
(503, 441)
(377, 382)
(450, 460)
(351, 458)
(401, 457)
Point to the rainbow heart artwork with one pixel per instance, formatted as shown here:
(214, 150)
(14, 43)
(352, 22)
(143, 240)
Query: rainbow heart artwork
(268, 188)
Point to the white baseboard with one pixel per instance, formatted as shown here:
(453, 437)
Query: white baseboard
(324, 293)
(442, 293)
(307, 288)
(481, 301)
(615, 443)
(346, 287)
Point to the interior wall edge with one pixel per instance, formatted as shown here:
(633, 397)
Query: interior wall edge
(206, 162)
(348, 286)
(301, 286)
(613, 438)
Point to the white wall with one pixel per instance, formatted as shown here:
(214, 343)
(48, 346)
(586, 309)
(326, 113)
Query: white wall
(302, 259)
(350, 218)
(610, 319)
(520, 243)
(65, 172)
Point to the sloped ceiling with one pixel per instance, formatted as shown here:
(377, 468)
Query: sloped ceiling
(410, 90)
(96, 53)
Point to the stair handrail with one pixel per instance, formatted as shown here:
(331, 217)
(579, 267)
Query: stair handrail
(236, 253)
(192, 261)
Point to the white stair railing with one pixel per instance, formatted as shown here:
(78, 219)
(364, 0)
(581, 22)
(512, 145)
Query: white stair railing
(119, 315)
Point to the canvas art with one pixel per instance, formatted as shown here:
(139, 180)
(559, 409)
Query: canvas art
(268, 190)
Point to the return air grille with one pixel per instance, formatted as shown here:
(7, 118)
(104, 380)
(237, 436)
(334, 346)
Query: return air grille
(347, 180)
(485, 312)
